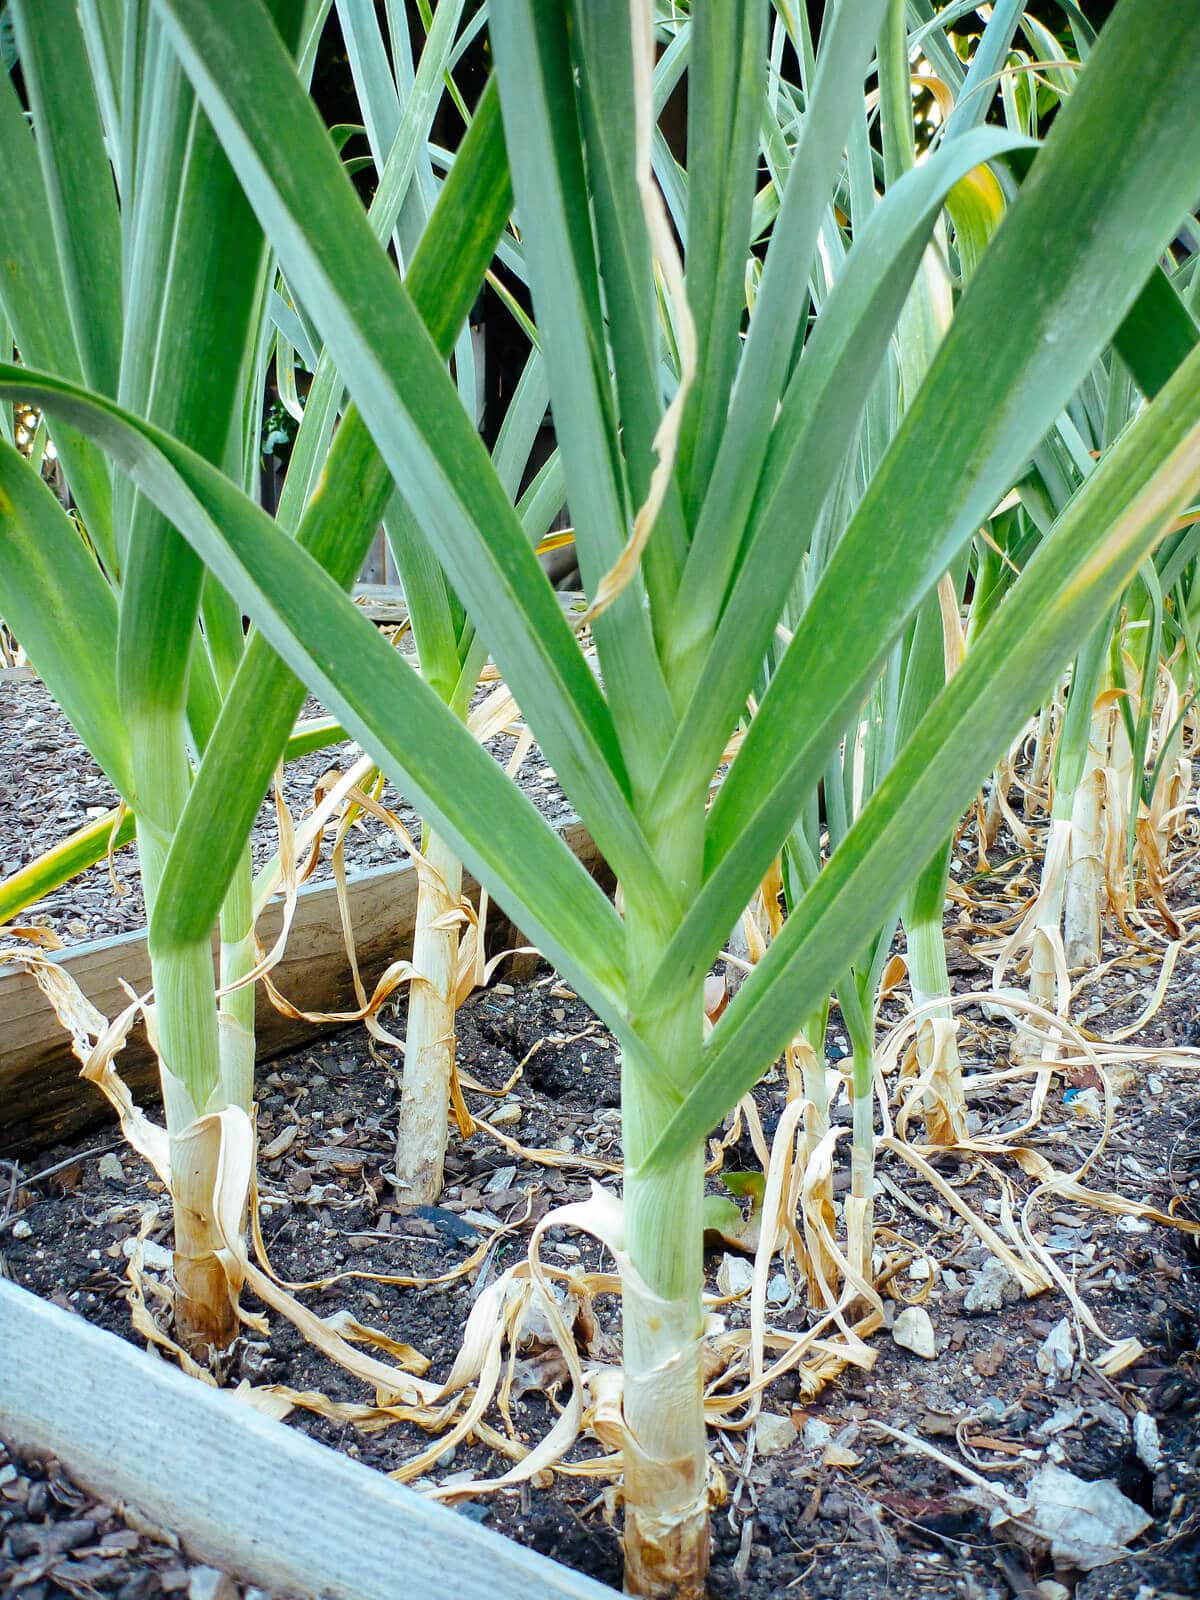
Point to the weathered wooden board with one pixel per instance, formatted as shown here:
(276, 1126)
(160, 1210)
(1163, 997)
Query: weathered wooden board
(242, 1492)
(41, 1097)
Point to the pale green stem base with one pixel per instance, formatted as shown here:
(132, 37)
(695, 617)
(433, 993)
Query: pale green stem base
(429, 1045)
(236, 1041)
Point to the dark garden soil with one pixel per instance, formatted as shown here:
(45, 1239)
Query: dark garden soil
(829, 1508)
(894, 1523)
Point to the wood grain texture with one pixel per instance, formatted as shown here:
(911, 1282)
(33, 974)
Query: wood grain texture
(41, 1097)
(242, 1492)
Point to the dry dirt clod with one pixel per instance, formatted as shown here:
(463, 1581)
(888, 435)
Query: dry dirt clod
(993, 1288)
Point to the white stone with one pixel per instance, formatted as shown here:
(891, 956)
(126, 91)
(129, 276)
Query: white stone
(779, 1290)
(773, 1433)
(206, 1583)
(1056, 1357)
(155, 1256)
(1146, 1441)
(914, 1331)
(508, 1115)
(21, 1229)
(110, 1167)
(734, 1275)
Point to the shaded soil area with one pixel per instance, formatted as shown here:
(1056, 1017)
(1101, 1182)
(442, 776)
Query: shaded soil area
(828, 1506)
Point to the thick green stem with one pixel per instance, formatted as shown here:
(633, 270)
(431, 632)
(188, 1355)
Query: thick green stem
(429, 1046)
(185, 1017)
(236, 1043)
(666, 1495)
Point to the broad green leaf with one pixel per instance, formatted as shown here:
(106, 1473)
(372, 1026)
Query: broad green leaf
(407, 399)
(1078, 573)
(1158, 333)
(336, 528)
(725, 87)
(767, 356)
(537, 96)
(807, 447)
(34, 300)
(79, 189)
(379, 698)
(1104, 197)
(601, 41)
(54, 598)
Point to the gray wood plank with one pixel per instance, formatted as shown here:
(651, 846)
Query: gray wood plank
(243, 1492)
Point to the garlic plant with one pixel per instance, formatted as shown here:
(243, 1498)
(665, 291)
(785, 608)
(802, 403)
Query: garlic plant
(143, 650)
(704, 498)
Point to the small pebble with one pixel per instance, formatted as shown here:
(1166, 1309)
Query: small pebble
(913, 1331)
(206, 1583)
(1056, 1357)
(110, 1167)
(21, 1229)
(508, 1115)
(994, 1287)
(773, 1433)
(1146, 1441)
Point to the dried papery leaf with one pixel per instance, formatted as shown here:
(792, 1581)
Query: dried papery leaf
(1030, 1277)
(398, 1280)
(280, 870)
(267, 1399)
(892, 975)
(43, 938)
(348, 1326)
(1050, 1181)
(545, 1158)
(953, 640)
(71, 1006)
(601, 1216)
(119, 888)
(494, 714)
(1170, 957)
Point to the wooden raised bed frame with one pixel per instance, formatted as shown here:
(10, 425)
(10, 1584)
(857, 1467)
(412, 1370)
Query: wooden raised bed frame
(247, 1494)
(42, 1099)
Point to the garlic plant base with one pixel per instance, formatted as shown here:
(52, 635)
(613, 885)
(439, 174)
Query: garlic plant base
(205, 1313)
(938, 1060)
(667, 1558)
